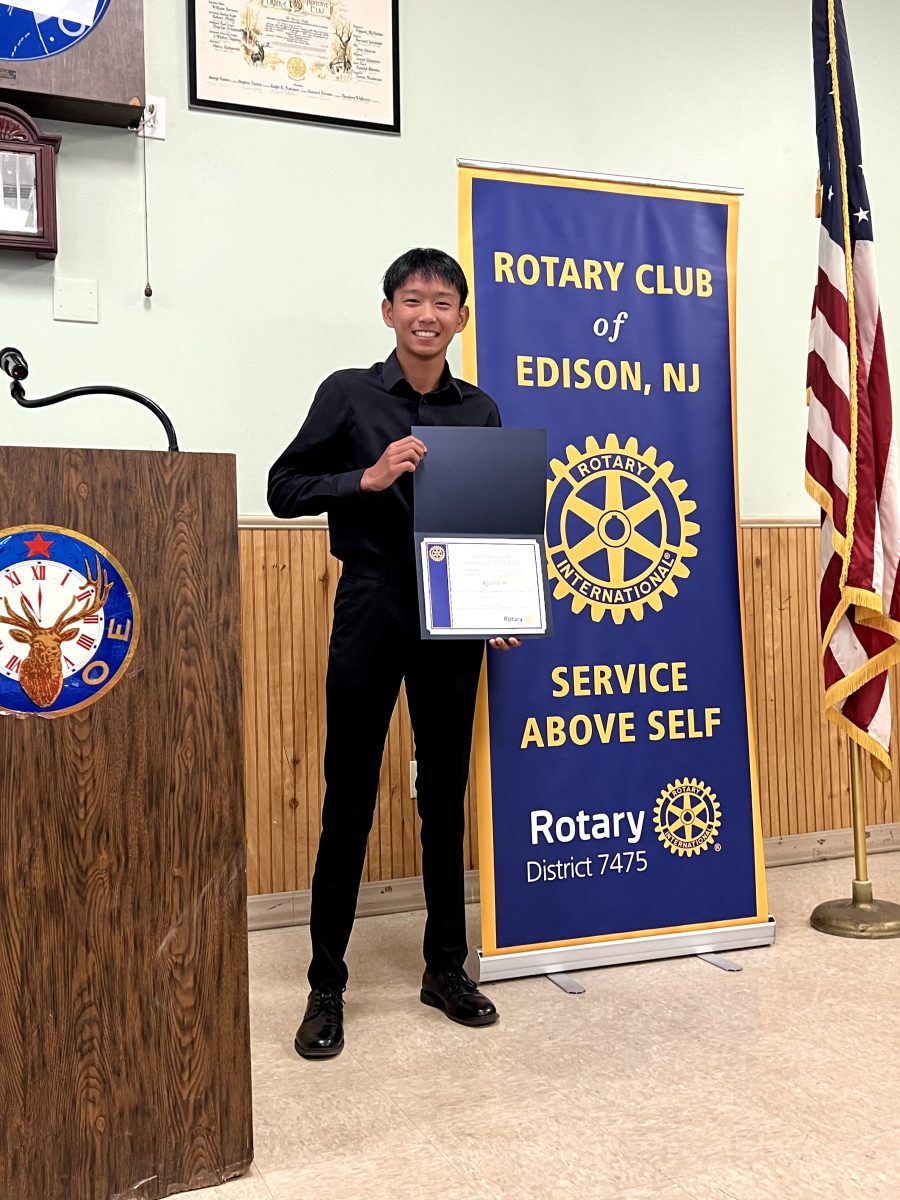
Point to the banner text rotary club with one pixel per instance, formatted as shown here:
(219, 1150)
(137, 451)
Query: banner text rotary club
(603, 275)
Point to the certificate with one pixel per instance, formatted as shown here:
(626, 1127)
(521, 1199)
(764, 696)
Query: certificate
(483, 587)
(479, 497)
(331, 61)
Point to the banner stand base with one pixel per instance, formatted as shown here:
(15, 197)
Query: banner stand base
(567, 984)
(560, 960)
(720, 961)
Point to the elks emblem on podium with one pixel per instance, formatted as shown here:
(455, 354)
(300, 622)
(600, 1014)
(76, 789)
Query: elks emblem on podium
(69, 621)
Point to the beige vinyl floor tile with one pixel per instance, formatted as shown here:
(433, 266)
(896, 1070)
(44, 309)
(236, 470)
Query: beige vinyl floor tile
(819, 1171)
(560, 1150)
(322, 1110)
(664, 1081)
(680, 1135)
(672, 1191)
(450, 1100)
(451, 1052)
(406, 1173)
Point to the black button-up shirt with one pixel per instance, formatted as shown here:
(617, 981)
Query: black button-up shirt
(356, 414)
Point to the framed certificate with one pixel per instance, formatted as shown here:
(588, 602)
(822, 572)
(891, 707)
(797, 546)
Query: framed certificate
(483, 587)
(335, 62)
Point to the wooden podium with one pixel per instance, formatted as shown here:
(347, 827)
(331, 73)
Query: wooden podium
(124, 1035)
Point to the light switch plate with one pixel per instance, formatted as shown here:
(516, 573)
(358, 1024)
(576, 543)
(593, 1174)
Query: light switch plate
(76, 300)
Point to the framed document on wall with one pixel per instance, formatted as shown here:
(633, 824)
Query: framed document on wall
(334, 62)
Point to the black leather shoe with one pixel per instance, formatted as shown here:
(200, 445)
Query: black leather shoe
(454, 992)
(322, 1033)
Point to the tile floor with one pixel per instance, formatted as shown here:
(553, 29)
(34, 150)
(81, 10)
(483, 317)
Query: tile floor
(664, 1081)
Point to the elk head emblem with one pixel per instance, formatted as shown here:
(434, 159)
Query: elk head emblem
(41, 672)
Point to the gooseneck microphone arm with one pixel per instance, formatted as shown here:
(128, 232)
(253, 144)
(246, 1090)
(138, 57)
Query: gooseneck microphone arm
(13, 364)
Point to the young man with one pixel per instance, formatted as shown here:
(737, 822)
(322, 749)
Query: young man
(354, 459)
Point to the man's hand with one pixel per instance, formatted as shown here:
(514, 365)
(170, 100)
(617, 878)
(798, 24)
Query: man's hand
(399, 458)
(504, 643)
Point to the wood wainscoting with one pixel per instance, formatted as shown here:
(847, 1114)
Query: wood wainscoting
(288, 580)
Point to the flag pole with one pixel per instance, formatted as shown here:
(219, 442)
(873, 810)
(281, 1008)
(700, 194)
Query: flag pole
(862, 887)
(862, 916)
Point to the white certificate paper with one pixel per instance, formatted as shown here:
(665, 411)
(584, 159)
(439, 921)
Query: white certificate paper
(484, 587)
(316, 60)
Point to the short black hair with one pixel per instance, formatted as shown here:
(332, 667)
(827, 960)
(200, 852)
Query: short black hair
(430, 264)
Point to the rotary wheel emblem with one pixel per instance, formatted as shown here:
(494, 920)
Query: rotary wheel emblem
(437, 554)
(617, 529)
(687, 817)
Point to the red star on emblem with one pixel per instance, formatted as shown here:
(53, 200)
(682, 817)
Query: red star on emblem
(38, 546)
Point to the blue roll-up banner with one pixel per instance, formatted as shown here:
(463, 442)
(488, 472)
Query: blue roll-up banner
(615, 764)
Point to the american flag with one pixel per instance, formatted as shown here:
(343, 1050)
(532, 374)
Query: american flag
(851, 456)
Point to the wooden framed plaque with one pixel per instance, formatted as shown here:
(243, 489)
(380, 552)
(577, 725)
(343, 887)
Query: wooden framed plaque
(334, 62)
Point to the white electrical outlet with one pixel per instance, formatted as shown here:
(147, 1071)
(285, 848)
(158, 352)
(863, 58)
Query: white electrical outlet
(413, 771)
(154, 123)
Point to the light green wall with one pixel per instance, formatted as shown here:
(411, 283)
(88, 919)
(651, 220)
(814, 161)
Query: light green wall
(268, 239)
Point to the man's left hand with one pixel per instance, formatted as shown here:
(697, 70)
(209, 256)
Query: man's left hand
(504, 643)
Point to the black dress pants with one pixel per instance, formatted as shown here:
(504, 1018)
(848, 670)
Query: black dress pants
(375, 644)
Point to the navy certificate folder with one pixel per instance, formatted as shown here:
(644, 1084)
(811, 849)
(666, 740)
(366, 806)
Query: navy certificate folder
(481, 483)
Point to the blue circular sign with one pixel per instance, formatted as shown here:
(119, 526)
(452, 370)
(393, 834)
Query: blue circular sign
(27, 33)
(69, 621)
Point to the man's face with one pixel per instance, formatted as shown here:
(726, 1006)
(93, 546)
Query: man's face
(425, 315)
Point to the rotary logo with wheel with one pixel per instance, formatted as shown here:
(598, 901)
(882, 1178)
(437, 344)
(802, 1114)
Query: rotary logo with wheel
(437, 553)
(687, 817)
(617, 529)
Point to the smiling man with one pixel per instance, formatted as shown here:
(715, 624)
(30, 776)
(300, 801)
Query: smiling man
(354, 459)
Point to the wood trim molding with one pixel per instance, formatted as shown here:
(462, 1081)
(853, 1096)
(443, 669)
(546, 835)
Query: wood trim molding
(267, 521)
(406, 895)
